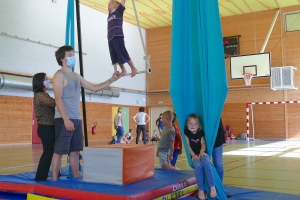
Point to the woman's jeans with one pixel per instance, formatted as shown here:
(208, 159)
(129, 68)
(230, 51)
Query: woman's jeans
(217, 157)
(120, 133)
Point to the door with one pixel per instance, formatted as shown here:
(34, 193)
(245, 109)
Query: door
(154, 114)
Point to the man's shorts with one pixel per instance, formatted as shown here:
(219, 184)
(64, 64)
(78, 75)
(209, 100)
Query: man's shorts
(66, 141)
(163, 158)
(117, 50)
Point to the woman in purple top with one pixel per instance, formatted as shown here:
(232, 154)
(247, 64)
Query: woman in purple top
(115, 36)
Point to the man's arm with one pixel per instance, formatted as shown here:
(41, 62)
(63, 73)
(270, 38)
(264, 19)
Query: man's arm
(96, 87)
(123, 2)
(134, 118)
(148, 118)
(58, 81)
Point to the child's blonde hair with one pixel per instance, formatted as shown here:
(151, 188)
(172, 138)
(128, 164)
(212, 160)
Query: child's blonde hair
(169, 114)
(193, 116)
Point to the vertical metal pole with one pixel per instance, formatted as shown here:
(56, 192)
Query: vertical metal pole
(81, 72)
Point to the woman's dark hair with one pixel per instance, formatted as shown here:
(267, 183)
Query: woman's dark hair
(141, 109)
(174, 118)
(61, 53)
(38, 82)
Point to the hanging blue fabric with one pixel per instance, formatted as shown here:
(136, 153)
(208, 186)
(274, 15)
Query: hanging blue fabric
(70, 38)
(198, 75)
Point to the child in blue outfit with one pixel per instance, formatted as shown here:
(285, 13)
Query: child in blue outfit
(115, 36)
(197, 146)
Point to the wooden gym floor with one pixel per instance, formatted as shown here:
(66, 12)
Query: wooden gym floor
(260, 165)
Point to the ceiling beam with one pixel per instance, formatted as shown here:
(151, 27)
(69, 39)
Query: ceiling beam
(169, 6)
(248, 5)
(144, 15)
(227, 8)
(277, 4)
(263, 4)
(161, 11)
(236, 6)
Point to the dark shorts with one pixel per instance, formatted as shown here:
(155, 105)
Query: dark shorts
(117, 50)
(66, 141)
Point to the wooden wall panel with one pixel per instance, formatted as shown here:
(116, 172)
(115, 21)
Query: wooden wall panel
(234, 115)
(293, 111)
(153, 99)
(269, 121)
(253, 29)
(16, 120)
(158, 46)
(102, 114)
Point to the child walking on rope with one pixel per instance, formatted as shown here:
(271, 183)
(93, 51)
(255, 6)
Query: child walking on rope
(115, 36)
(165, 147)
(197, 146)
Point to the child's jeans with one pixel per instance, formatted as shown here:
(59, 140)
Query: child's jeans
(201, 166)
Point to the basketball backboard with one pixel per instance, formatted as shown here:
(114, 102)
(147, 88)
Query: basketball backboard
(257, 64)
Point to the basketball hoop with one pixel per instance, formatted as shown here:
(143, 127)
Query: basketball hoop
(248, 77)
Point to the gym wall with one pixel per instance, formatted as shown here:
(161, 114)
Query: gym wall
(16, 120)
(271, 121)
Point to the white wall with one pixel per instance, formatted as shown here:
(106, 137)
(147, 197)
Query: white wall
(42, 20)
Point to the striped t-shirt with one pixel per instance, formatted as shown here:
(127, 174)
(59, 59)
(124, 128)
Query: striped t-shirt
(115, 23)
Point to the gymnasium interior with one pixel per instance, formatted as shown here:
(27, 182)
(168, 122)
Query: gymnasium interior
(261, 156)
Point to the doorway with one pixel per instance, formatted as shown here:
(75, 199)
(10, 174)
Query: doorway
(154, 114)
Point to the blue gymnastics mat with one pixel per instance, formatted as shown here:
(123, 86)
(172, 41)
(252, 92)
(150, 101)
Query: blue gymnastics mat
(164, 185)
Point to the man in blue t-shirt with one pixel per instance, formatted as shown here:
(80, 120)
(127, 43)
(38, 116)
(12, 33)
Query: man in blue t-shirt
(115, 36)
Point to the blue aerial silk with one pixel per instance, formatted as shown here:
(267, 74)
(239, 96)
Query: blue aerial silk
(198, 74)
(70, 39)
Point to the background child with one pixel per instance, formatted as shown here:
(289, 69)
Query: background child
(115, 36)
(159, 123)
(129, 137)
(113, 140)
(177, 142)
(197, 146)
(165, 147)
(154, 138)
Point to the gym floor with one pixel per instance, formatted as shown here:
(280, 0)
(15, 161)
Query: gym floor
(260, 165)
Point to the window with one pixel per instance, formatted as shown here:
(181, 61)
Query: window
(292, 22)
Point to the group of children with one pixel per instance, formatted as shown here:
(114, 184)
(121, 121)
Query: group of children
(126, 139)
(196, 144)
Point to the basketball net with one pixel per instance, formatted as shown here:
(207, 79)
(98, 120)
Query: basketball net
(248, 77)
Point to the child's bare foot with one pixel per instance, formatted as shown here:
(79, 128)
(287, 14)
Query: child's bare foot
(123, 72)
(213, 192)
(133, 72)
(201, 195)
